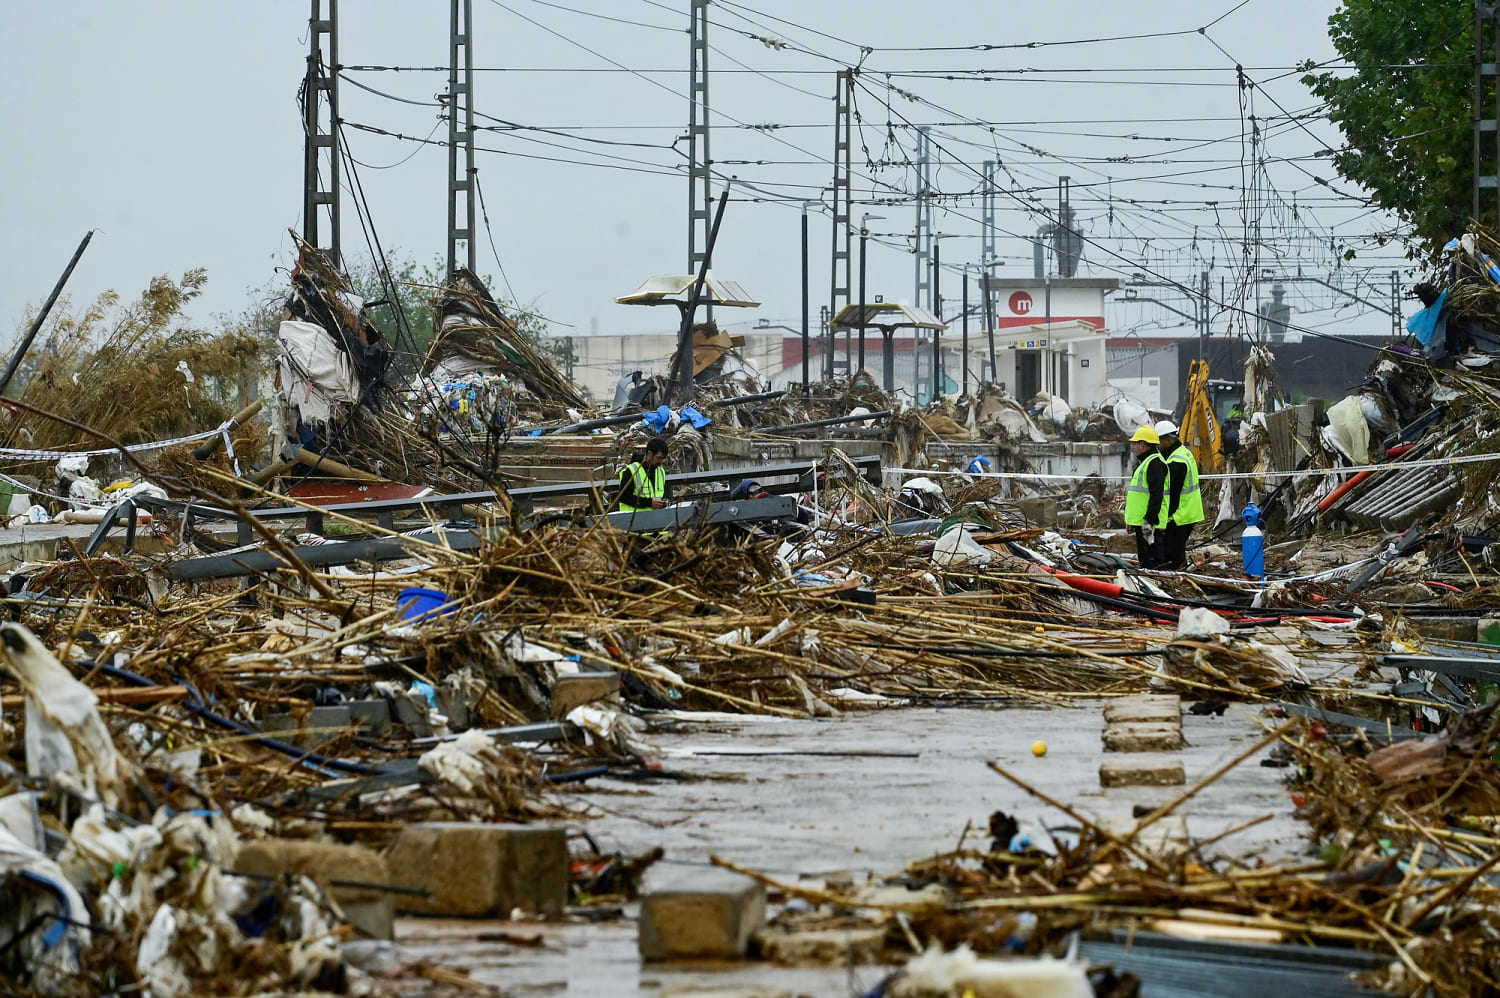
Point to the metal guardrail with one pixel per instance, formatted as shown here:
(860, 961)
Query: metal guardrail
(247, 562)
(523, 500)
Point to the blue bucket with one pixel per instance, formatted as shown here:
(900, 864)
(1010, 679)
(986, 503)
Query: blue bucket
(424, 604)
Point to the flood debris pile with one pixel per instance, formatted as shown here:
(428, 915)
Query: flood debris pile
(1395, 890)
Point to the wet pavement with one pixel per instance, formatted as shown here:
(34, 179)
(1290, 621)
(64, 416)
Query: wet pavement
(790, 813)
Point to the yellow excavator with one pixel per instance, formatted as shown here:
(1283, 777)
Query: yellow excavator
(1199, 427)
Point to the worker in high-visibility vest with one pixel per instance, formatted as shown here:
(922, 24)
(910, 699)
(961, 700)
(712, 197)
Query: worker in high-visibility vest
(643, 483)
(1145, 506)
(1184, 498)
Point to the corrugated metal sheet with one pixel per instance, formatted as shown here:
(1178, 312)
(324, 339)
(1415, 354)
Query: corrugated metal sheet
(1180, 968)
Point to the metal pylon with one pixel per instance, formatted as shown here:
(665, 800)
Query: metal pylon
(700, 193)
(843, 207)
(320, 119)
(922, 244)
(987, 214)
(460, 135)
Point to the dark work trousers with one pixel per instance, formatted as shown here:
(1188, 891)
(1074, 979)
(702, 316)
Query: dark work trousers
(1174, 538)
(1148, 555)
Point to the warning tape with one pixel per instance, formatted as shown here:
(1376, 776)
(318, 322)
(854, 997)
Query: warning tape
(17, 454)
(1438, 462)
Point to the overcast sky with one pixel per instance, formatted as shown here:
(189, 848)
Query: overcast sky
(172, 127)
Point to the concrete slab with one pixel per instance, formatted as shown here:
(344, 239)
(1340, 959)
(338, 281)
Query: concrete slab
(1146, 736)
(368, 909)
(1145, 770)
(1163, 838)
(929, 900)
(581, 688)
(707, 916)
(854, 945)
(1157, 708)
(1445, 628)
(43, 541)
(472, 869)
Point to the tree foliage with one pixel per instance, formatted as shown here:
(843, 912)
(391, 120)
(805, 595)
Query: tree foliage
(136, 370)
(1405, 109)
(415, 285)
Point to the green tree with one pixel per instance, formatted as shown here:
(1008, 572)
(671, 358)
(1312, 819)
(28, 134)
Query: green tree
(415, 286)
(1405, 110)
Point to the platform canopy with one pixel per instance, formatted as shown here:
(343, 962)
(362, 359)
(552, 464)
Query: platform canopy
(886, 315)
(673, 289)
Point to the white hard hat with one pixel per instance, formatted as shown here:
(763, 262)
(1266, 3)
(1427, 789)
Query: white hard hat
(1166, 428)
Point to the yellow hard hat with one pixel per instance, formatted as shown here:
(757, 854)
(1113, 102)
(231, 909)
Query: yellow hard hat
(1147, 434)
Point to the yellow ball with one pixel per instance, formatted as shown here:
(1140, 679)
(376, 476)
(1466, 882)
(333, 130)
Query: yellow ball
(1038, 749)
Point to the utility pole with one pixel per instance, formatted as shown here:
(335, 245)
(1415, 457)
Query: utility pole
(1397, 324)
(937, 300)
(843, 207)
(964, 363)
(1204, 315)
(320, 125)
(700, 193)
(460, 133)
(806, 348)
(922, 244)
(1486, 113)
(987, 246)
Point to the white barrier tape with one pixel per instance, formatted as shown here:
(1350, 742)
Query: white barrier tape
(1438, 462)
(17, 454)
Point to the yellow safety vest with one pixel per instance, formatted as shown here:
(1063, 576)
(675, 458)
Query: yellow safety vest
(1190, 503)
(648, 487)
(1138, 497)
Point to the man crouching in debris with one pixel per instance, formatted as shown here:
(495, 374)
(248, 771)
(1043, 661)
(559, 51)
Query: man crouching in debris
(1184, 500)
(1145, 510)
(643, 483)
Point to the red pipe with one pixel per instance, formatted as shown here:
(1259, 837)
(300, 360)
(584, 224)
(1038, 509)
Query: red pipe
(1096, 586)
(1343, 490)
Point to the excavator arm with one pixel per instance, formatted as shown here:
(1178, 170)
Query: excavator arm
(1200, 428)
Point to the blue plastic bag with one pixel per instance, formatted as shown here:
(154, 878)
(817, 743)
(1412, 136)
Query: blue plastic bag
(1424, 324)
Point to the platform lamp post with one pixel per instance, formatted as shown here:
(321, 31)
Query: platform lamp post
(864, 238)
(989, 312)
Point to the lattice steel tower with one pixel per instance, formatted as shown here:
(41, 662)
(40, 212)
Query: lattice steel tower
(843, 207)
(460, 100)
(320, 122)
(922, 243)
(1486, 113)
(700, 176)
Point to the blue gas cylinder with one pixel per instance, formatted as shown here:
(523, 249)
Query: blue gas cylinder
(1253, 543)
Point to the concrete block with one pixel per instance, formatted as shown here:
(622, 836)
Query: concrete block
(479, 870)
(325, 718)
(292, 728)
(1162, 839)
(856, 944)
(1445, 628)
(1143, 736)
(1146, 708)
(1041, 512)
(368, 909)
(1141, 771)
(581, 688)
(452, 704)
(705, 917)
(929, 900)
(372, 714)
(407, 714)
